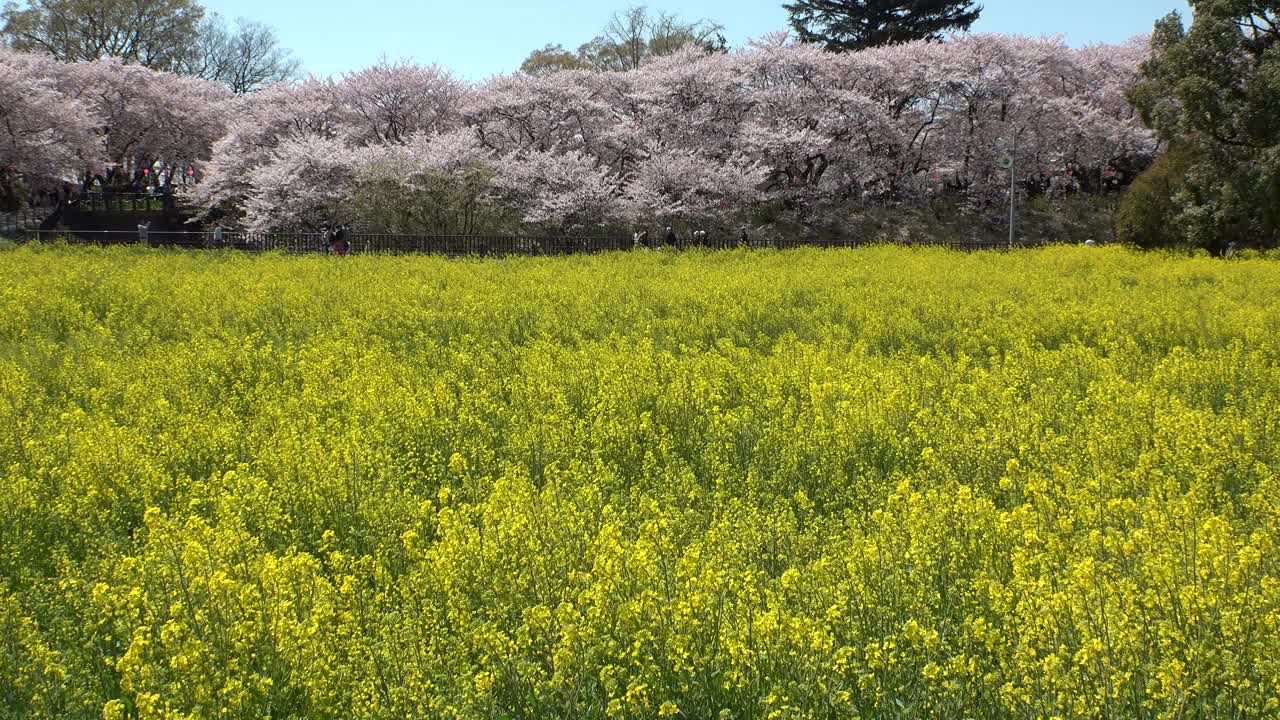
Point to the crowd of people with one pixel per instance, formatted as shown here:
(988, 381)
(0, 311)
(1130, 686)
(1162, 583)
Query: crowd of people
(696, 238)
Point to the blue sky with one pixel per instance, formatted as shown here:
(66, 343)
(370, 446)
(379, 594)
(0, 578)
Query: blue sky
(478, 39)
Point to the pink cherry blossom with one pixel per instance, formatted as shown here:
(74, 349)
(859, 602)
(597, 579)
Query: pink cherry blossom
(45, 136)
(389, 102)
(693, 137)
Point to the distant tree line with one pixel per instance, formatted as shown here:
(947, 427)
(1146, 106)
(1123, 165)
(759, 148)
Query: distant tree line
(636, 35)
(629, 39)
(177, 36)
(776, 130)
(866, 103)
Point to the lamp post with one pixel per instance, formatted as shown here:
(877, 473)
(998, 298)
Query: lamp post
(1007, 161)
(1013, 190)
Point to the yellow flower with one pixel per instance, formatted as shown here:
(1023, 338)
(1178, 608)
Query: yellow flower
(457, 464)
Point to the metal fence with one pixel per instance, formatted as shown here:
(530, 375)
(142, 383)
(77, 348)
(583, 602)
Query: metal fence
(20, 221)
(450, 245)
(93, 202)
(360, 243)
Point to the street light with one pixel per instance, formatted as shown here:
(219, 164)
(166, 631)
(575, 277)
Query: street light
(1007, 162)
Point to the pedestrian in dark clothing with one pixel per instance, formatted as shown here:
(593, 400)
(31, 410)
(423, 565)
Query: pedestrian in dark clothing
(342, 240)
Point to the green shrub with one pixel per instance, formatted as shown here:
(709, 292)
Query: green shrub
(1147, 212)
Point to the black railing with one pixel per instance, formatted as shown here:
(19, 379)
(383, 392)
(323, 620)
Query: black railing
(108, 201)
(451, 245)
(18, 222)
(360, 243)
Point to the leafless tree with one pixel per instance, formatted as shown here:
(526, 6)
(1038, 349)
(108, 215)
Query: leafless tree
(631, 38)
(148, 32)
(244, 55)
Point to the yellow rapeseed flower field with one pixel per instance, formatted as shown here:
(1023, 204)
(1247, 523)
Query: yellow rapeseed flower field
(880, 483)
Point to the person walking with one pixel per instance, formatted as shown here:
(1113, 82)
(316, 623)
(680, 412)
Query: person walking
(214, 238)
(344, 240)
(339, 239)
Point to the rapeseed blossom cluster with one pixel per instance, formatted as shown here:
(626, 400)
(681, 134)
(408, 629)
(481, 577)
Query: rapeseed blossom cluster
(881, 483)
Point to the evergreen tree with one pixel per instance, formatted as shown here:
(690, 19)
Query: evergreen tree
(1215, 88)
(844, 25)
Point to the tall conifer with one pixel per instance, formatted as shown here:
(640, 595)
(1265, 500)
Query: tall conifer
(844, 25)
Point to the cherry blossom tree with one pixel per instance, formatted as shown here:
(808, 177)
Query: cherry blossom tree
(831, 128)
(434, 182)
(46, 137)
(257, 126)
(388, 102)
(1112, 137)
(104, 118)
(690, 99)
(694, 138)
(567, 110)
(688, 186)
(557, 189)
(147, 118)
(304, 184)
